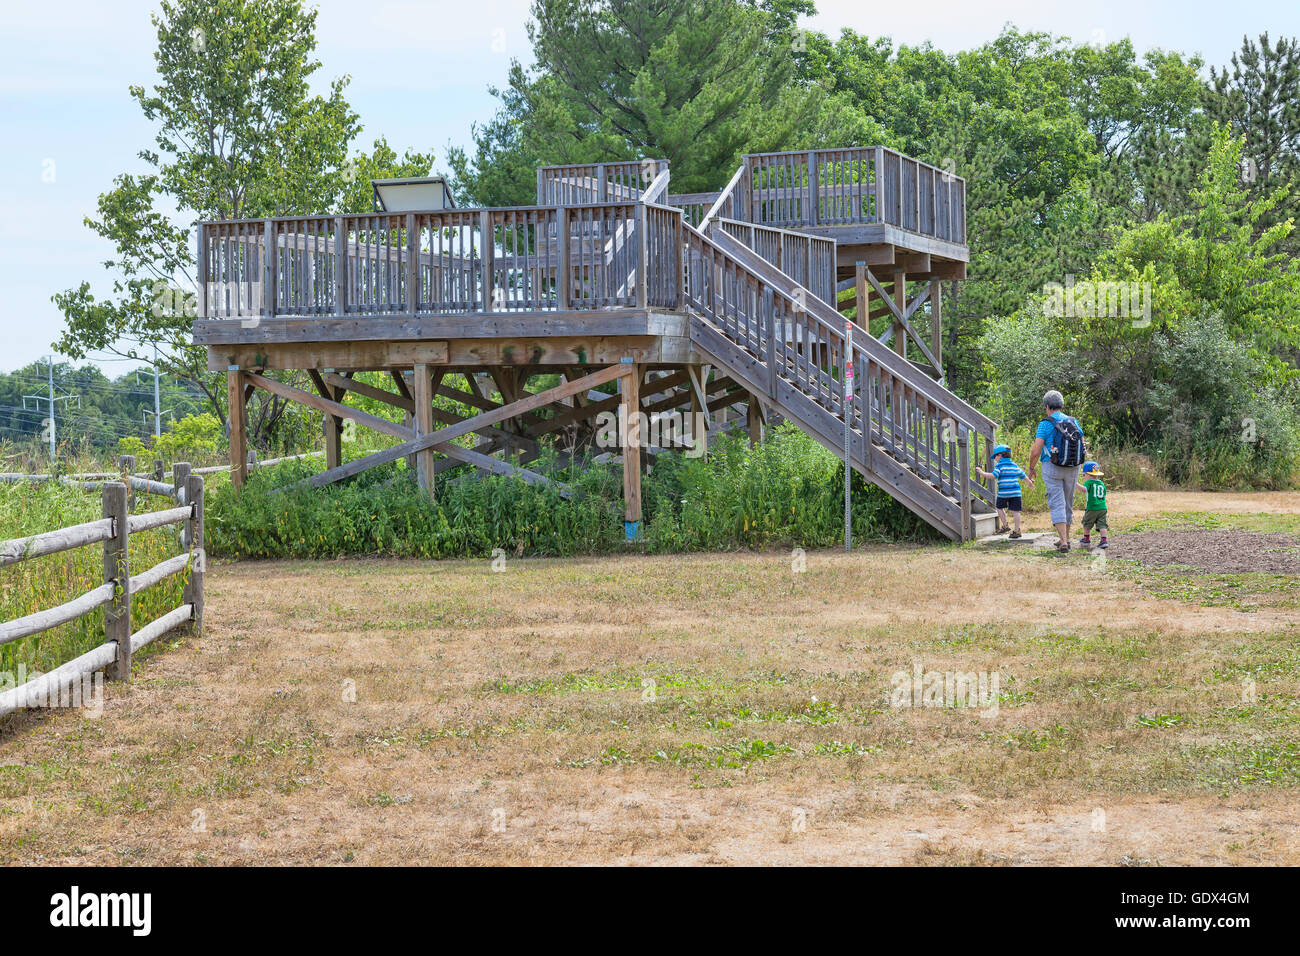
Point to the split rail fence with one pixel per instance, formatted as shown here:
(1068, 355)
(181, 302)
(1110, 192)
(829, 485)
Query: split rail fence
(114, 532)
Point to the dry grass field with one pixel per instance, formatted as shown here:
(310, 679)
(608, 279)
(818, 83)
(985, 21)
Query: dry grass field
(702, 709)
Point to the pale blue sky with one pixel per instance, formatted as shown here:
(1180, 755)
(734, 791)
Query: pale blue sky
(420, 73)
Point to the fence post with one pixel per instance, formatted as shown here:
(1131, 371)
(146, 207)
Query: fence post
(117, 571)
(126, 465)
(199, 561)
(157, 469)
(251, 461)
(180, 474)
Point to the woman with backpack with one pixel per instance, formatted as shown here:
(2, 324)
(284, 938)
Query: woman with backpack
(1059, 448)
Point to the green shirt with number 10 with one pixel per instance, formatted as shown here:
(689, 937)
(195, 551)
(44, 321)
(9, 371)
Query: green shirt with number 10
(1096, 489)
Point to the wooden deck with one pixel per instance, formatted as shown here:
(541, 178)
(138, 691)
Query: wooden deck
(694, 305)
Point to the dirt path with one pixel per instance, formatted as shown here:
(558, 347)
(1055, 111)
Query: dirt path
(708, 708)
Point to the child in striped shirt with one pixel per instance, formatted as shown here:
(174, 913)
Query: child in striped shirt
(1008, 475)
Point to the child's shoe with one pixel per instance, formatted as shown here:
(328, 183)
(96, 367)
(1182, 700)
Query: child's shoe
(1086, 541)
(1102, 543)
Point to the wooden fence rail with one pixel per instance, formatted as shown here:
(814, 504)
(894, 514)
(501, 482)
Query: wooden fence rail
(114, 532)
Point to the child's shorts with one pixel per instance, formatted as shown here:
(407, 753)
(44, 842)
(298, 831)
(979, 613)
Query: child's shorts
(1095, 519)
(1011, 504)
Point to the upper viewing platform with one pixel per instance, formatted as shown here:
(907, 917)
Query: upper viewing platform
(602, 237)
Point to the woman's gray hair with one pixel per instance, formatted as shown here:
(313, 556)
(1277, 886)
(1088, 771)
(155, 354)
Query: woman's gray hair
(1054, 400)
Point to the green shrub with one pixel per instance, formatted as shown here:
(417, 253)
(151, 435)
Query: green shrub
(787, 491)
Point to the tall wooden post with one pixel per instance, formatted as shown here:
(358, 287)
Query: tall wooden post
(863, 296)
(963, 476)
(117, 571)
(238, 426)
(629, 387)
(125, 467)
(422, 394)
(199, 560)
(936, 325)
(900, 297)
(754, 419)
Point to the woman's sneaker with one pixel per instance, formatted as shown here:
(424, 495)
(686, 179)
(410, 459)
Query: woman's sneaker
(1014, 534)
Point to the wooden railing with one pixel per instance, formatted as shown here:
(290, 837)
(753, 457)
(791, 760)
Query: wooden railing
(801, 347)
(693, 205)
(845, 187)
(596, 182)
(808, 260)
(620, 254)
(113, 530)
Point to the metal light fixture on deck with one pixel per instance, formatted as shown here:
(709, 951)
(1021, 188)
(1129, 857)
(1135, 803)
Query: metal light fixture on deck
(412, 194)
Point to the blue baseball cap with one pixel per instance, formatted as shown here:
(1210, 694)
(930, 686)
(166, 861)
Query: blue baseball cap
(1091, 468)
(999, 449)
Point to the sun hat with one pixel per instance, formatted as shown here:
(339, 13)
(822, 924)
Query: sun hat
(1091, 468)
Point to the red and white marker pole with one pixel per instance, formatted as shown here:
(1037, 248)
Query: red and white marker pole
(848, 437)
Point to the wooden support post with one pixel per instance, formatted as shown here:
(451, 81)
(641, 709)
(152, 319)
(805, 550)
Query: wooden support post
(180, 477)
(754, 419)
(963, 476)
(864, 296)
(157, 469)
(117, 571)
(936, 327)
(900, 297)
(125, 466)
(629, 387)
(697, 377)
(198, 556)
(423, 395)
(238, 418)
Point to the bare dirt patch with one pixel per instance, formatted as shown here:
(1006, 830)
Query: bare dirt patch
(1214, 550)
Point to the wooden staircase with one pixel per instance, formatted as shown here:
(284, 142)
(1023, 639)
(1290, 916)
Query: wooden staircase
(907, 433)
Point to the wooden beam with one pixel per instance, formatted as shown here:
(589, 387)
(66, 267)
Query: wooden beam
(423, 392)
(238, 419)
(342, 384)
(465, 427)
(325, 405)
(630, 436)
(333, 424)
(936, 327)
(900, 300)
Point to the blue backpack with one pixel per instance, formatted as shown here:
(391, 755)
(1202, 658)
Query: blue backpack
(1068, 448)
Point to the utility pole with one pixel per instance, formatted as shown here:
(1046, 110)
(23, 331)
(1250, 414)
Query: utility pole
(51, 399)
(158, 412)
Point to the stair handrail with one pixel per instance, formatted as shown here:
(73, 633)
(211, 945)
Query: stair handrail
(833, 325)
(724, 197)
